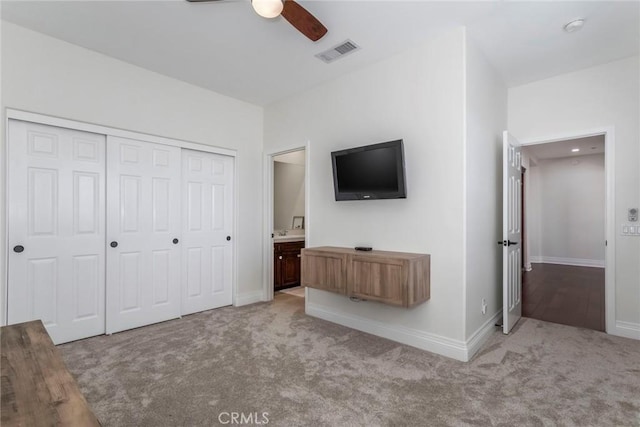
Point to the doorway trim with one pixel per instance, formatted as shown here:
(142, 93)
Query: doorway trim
(267, 225)
(609, 215)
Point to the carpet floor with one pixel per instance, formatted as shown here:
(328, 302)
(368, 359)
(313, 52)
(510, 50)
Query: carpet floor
(271, 362)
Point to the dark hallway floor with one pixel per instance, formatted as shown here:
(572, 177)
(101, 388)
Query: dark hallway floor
(565, 294)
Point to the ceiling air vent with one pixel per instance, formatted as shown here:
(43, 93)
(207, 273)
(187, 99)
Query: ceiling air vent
(338, 51)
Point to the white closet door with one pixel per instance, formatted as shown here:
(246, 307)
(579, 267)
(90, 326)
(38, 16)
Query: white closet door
(56, 237)
(207, 200)
(143, 232)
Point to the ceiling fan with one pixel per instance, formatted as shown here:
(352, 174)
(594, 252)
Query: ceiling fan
(290, 10)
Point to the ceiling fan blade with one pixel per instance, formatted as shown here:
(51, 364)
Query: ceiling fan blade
(304, 21)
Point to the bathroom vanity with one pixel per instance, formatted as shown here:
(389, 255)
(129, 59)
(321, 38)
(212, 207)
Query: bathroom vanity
(286, 261)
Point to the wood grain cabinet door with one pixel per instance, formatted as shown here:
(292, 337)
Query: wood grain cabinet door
(324, 270)
(277, 268)
(383, 279)
(291, 269)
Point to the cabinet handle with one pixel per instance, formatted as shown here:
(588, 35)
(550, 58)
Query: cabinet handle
(298, 255)
(175, 241)
(113, 244)
(18, 249)
(280, 257)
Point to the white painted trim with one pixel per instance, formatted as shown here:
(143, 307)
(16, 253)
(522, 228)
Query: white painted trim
(455, 349)
(4, 283)
(480, 337)
(465, 141)
(578, 262)
(106, 130)
(562, 136)
(235, 231)
(267, 227)
(267, 223)
(248, 298)
(610, 230)
(610, 224)
(413, 337)
(627, 330)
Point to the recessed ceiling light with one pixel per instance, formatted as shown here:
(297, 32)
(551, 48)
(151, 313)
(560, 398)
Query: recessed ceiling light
(575, 150)
(574, 25)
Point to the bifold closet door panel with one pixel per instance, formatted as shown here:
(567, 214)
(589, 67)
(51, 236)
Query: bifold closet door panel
(143, 233)
(56, 229)
(207, 249)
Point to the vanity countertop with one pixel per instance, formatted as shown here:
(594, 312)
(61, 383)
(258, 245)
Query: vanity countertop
(279, 239)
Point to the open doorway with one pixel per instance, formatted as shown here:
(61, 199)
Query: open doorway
(564, 207)
(287, 225)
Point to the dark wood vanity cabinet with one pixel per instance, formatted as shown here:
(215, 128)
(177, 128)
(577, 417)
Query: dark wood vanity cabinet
(286, 264)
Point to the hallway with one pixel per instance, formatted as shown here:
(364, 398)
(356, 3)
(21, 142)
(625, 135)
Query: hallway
(565, 294)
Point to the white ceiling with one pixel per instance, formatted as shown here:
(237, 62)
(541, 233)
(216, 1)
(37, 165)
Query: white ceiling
(225, 47)
(560, 149)
(294, 157)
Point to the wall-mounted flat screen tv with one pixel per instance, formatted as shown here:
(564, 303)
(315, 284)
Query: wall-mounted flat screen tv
(370, 172)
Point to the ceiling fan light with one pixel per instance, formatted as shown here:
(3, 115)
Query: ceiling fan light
(573, 26)
(267, 8)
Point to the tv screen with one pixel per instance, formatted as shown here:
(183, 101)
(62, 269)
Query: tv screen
(370, 172)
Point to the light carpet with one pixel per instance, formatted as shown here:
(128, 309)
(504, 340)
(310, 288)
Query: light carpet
(271, 358)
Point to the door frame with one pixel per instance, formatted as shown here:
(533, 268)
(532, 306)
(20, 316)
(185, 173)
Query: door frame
(27, 116)
(267, 225)
(609, 216)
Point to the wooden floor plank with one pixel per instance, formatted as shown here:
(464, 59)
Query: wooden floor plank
(37, 388)
(565, 294)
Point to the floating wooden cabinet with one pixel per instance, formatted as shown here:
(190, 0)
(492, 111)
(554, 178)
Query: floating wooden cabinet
(395, 278)
(286, 268)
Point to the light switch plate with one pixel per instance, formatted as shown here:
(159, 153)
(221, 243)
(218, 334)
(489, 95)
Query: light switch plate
(630, 230)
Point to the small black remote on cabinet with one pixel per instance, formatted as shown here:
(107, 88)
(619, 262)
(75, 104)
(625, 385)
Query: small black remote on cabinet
(363, 248)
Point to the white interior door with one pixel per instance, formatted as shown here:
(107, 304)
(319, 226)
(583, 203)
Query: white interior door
(207, 200)
(56, 259)
(143, 233)
(511, 233)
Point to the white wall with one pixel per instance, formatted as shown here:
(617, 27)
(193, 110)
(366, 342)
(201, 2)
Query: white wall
(44, 75)
(288, 194)
(606, 95)
(486, 118)
(418, 96)
(568, 211)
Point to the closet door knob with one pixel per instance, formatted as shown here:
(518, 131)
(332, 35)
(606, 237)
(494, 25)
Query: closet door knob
(228, 238)
(18, 249)
(175, 241)
(113, 244)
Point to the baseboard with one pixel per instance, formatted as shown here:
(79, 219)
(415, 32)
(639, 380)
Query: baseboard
(626, 329)
(455, 349)
(248, 298)
(578, 262)
(479, 337)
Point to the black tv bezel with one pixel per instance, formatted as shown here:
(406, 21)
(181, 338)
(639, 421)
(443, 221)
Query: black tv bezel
(398, 145)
